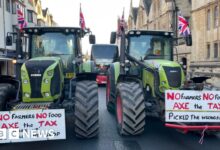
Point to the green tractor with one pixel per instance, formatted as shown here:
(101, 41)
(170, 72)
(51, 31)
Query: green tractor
(52, 75)
(136, 85)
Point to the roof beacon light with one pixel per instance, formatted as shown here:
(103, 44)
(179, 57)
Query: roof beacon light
(138, 32)
(166, 33)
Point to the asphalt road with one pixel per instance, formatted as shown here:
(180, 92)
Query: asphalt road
(156, 137)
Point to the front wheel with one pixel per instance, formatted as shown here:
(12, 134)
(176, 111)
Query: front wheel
(7, 93)
(86, 109)
(130, 108)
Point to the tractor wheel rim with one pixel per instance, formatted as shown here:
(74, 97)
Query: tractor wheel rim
(119, 109)
(108, 90)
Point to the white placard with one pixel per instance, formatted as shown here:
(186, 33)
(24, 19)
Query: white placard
(32, 125)
(192, 106)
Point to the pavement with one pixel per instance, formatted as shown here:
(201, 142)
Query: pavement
(155, 137)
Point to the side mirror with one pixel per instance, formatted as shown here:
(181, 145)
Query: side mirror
(9, 41)
(92, 39)
(113, 38)
(188, 40)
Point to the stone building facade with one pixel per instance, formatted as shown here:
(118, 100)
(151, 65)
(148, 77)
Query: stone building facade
(132, 18)
(205, 58)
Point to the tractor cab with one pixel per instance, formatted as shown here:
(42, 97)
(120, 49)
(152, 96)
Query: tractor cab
(155, 50)
(63, 43)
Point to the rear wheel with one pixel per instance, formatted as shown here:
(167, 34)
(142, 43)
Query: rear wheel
(130, 108)
(86, 109)
(7, 93)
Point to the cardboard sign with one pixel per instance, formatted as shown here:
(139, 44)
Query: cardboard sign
(192, 106)
(32, 125)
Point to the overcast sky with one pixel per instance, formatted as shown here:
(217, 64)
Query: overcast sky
(100, 15)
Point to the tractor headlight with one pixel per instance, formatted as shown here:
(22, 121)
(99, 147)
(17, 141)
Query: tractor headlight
(163, 83)
(47, 94)
(46, 81)
(163, 89)
(50, 73)
(25, 81)
(27, 95)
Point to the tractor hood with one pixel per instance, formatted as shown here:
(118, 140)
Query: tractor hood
(42, 79)
(158, 63)
(168, 75)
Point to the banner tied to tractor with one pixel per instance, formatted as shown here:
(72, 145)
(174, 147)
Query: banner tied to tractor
(192, 106)
(32, 125)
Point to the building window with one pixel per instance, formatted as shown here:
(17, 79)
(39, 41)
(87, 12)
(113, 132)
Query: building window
(208, 19)
(8, 5)
(14, 28)
(30, 16)
(208, 51)
(216, 14)
(215, 50)
(14, 7)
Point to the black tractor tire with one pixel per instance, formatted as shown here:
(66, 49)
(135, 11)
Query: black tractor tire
(109, 103)
(130, 108)
(86, 109)
(7, 93)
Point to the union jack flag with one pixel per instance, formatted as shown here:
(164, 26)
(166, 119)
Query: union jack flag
(20, 16)
(183, 26)
(81, 19)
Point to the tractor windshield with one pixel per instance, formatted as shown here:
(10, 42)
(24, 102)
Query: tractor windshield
(150, 47)
(52, 44)
(104, 54)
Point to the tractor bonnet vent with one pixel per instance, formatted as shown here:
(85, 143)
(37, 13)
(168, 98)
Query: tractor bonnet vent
(173, 76)
(36, 69)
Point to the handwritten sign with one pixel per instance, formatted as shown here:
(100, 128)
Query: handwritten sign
(32, 125)
(192, 106)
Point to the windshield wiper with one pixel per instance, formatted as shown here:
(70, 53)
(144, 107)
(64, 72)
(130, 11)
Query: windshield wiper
(151, 56)
(56, 54)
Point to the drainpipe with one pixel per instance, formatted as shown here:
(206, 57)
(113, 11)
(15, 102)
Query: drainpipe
(3, 8)
(174, 27)
(174, 16)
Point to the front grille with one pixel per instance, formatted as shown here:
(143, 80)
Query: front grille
(36, 67)
(173, 76)
(22, 106)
